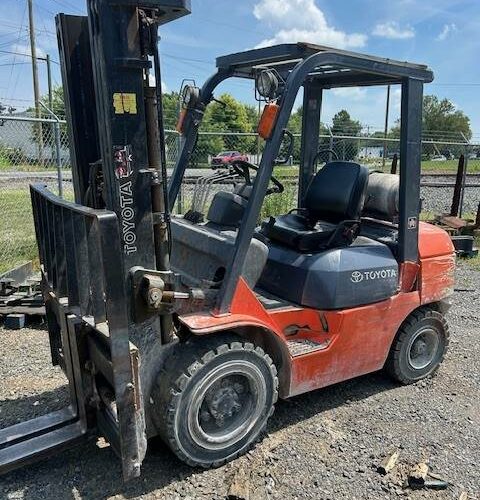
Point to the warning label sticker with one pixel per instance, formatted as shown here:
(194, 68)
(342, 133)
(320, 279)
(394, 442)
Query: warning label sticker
(124, 103)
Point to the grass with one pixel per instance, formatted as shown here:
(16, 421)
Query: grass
(7, 166)
(17, 237)
(449, 166)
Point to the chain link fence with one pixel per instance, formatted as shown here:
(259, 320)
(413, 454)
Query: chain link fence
(37, 151)
(30, 151)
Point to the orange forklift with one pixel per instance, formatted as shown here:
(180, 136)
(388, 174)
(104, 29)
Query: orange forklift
(191, 328)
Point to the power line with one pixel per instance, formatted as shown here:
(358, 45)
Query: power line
(14, 63)
(65, 3)
(26, 55)
(14, 59)
(228, 25)
(171, 56)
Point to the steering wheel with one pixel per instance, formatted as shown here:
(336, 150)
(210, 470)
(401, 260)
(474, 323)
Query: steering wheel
(242, 168)
(323, 151)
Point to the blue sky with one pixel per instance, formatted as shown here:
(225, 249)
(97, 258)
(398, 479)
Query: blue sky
(440, 33)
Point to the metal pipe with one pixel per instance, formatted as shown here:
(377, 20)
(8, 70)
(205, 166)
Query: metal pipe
(387, 112)
(158, 161)
(154, 159)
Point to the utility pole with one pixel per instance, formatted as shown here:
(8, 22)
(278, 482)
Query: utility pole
(53, 127)
(36, 89)
(387, 112)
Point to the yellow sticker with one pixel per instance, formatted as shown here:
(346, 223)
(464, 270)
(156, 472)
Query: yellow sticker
(125, 103)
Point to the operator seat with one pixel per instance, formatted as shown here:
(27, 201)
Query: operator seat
(331, 216)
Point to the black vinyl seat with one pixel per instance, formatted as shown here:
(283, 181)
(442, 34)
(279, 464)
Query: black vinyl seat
(331, 217)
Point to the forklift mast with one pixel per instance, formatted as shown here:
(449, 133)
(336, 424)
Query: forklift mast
(119, 222)
(117, 149)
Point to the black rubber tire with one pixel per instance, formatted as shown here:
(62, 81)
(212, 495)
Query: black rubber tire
(398, 365)
(186, 368)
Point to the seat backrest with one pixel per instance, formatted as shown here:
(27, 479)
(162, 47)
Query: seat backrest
(337, 192)
(201, 254)
(227, 209)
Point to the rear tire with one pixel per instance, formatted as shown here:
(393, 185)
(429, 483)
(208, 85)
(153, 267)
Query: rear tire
(213, 399)
(419, 346)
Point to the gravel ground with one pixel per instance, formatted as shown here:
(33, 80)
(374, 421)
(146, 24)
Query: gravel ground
(323, 445)
(439, 199)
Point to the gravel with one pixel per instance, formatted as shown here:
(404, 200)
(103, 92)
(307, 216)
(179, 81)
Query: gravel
(439, 199)
(322, 445)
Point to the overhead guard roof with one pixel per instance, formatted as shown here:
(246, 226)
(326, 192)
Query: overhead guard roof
(337, 68)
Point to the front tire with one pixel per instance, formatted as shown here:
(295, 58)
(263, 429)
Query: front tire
(419, 346)
(213, 399)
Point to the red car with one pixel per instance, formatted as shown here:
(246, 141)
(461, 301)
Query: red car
(225, 158)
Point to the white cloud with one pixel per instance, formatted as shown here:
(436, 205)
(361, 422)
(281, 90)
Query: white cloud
(302, 21)
(152, 83)
(396, 99)
(25, 50)
(392, 29)
(352, 93)
(447, 30)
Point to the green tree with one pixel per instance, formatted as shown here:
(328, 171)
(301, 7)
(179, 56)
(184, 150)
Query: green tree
(170, 103)
(343, 124)
(441, 119)
(228, 117)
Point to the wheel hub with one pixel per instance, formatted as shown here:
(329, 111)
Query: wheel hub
(226, 405)
(222, 402)
(423, 348)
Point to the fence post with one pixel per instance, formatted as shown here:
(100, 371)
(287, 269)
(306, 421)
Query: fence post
(58, 148)
(330, 145)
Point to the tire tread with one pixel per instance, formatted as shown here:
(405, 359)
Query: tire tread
(392, 365)
(179, 369)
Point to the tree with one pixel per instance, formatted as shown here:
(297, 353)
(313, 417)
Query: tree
(343, 124)
(441, 120)
(170, 110)
(230, 118)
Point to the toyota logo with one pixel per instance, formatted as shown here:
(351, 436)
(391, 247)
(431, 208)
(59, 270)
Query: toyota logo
(357, 277)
